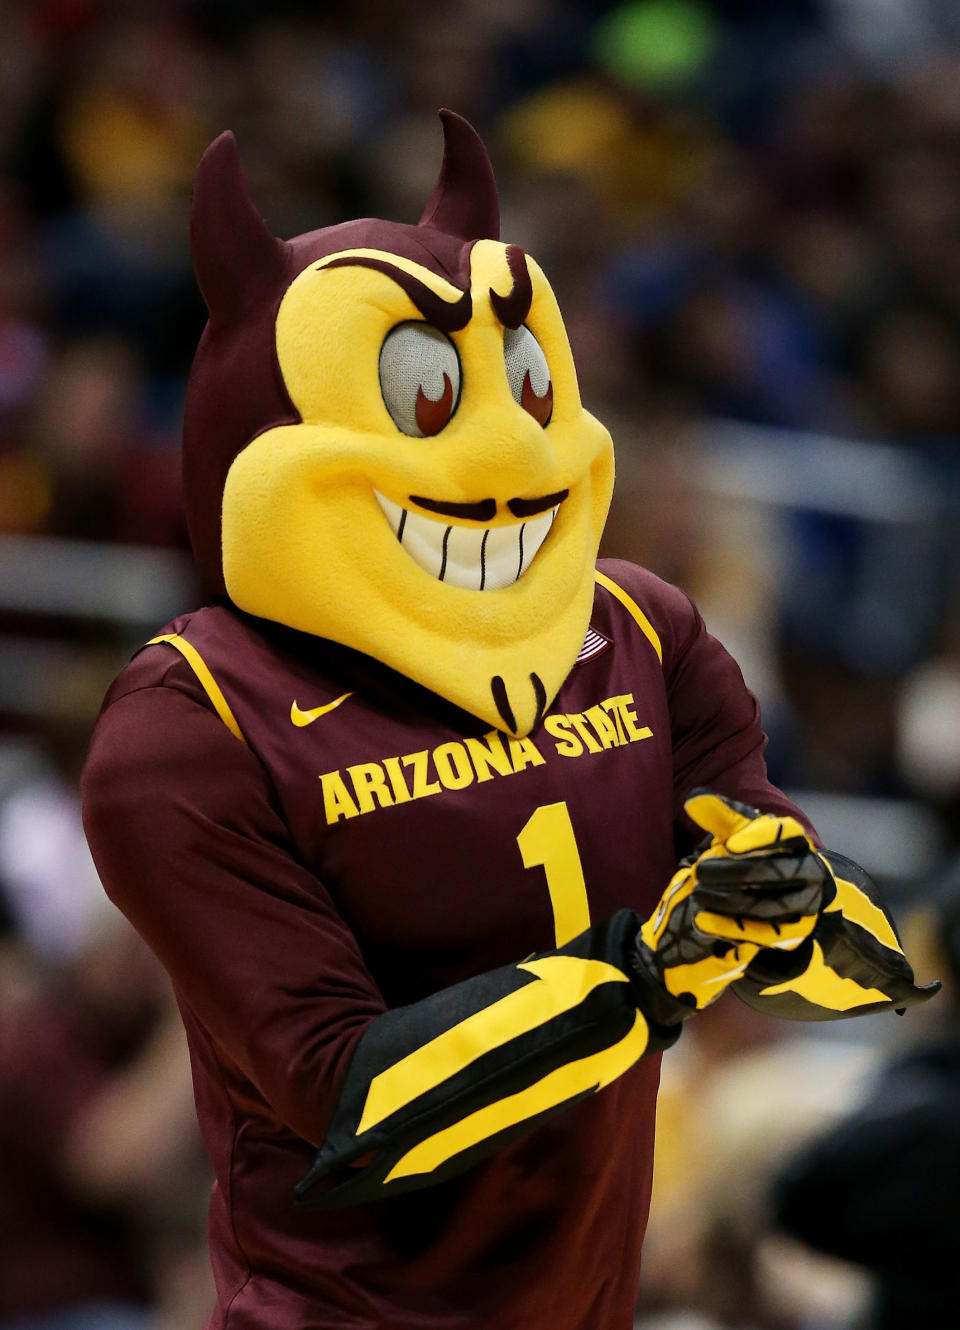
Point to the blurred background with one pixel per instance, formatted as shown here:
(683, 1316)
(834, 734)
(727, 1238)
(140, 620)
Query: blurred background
(750, 212)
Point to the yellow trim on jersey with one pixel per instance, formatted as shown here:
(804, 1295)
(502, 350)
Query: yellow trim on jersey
(209, 684)
(822, 986)
(634, 610)
(857, 906)
(564, 1083)
(562, 982)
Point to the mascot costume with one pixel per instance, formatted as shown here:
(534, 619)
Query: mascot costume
(401, 809)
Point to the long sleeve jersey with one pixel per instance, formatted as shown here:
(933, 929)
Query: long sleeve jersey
(308, 840)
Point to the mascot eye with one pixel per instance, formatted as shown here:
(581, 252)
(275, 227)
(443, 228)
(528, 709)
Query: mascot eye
(528, 373)
(419, 378)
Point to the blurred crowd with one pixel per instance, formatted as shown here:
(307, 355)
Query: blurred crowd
(750, 212)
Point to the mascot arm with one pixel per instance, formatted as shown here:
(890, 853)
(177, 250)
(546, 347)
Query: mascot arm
(715, 728)
(437, 1085)
(853, 962)
(189, 842)
(185, 831)
(184, 828)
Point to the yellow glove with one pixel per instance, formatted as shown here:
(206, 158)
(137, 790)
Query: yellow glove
(760, 883)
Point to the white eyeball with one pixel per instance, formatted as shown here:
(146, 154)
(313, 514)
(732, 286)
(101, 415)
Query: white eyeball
(528, 373)
(419, 378)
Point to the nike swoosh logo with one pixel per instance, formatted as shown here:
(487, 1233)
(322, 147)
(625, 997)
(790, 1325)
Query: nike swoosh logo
(301, 718)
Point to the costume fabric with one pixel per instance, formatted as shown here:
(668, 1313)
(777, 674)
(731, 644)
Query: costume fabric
(392, 811)
(292, 906)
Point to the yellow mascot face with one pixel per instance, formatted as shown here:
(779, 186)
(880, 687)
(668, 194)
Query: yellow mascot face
(437, 496)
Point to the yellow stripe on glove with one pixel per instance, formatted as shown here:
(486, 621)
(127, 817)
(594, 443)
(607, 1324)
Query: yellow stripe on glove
(759, 884)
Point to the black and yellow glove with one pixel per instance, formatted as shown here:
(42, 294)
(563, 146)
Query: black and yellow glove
(439, 1085)
(760, 884)
(852, 963)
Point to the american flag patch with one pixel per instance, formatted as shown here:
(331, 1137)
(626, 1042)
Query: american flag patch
(593, 644)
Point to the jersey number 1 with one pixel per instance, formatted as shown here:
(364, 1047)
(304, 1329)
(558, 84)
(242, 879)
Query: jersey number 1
(547, 841)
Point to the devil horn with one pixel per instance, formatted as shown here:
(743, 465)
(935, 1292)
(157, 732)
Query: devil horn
(464, 200)
(235, 257)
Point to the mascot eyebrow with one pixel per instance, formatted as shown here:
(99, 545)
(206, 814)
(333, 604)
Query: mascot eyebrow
(514, 307)
(453, 315)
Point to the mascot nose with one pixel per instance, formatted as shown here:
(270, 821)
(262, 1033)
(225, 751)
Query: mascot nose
(519, 458)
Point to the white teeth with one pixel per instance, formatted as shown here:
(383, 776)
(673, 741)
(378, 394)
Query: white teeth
(392, 510)
(475, 557)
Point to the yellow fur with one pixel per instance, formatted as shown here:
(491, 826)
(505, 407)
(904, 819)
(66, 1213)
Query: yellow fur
(305, 542)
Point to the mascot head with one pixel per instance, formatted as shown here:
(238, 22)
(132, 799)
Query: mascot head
(384, 443)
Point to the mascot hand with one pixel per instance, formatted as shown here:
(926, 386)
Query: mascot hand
(760, 883)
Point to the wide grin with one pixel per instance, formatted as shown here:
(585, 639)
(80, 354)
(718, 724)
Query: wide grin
(474, 557)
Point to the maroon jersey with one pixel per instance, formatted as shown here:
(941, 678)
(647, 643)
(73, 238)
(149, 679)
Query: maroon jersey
(338, 841)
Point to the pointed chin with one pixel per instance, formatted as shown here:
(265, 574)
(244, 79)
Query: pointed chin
(325, 559)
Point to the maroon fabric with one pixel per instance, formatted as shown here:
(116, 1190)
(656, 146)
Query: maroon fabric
(285, 935)
(448, 315)
(235, 257)
(464, 201)
(55, 1250)
(236, 389)
(511, 309)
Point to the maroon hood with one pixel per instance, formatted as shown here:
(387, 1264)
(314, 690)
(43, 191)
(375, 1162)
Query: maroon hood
(236, 390)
